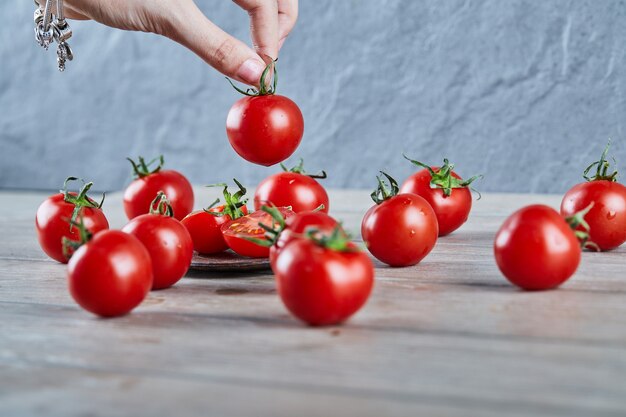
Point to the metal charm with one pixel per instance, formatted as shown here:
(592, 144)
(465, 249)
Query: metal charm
(50, 28)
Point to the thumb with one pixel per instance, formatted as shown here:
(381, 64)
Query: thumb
(223, 52)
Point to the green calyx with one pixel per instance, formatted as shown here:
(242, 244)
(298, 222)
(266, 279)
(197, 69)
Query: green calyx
(299, 169)
(578, 220)
(263, 90)
(384, 192)
(443, 178)
(161, 205)
(70, 246)
(232, 202)
(338, 240)
(602, 168)
(80, 199)
(142, 168)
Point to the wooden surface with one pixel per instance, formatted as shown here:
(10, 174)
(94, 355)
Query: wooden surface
(448, 337)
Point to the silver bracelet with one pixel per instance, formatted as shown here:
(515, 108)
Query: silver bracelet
(50, 27)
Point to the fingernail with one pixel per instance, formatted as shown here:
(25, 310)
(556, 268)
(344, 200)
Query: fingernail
(250, 71)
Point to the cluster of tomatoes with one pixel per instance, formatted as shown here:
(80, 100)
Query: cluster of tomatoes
(322, 277)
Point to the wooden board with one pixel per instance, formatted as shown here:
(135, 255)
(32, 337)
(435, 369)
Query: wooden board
(447, 337)
(227, 261)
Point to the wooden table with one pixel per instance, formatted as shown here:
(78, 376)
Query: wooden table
(448, 337)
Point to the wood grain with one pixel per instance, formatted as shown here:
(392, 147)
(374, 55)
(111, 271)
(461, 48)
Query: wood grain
(448, 337)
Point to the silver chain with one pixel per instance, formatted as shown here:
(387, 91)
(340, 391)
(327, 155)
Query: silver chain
(52, 27)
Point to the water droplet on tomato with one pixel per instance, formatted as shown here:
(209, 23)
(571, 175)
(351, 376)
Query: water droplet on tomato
(291, 181)
(611, 215)
(412, 233)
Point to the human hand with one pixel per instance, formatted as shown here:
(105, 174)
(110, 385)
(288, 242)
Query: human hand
(182, 21)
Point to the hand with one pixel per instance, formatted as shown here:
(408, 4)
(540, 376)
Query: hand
(182, 21)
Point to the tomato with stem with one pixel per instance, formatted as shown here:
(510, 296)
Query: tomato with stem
(446, 192)
(205, 226)
(292, 188)
(110, 272)
(264, 128)
(607, 218)
(401, 229)
(323, 280)
(168, 242)
(54, 216)
(148, 182)
(537, 249)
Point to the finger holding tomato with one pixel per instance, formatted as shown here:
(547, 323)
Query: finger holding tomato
(168, 242)
(205, 226)
(446, 192)
(323, 280)
(401, 229)
(148, 182)
(55, 214)
(607, 217)
(264, 128)
(292, 188)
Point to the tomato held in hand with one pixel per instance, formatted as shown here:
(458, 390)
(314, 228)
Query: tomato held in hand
(323, 282)
(140, 193)
(292, 188)
(55, 213)
(237, 232)
(401, 229)
(264, 128)
(110, 274)
(536, 249)
(607, 217)
(205, 226)
(168, 242)
(447, 193)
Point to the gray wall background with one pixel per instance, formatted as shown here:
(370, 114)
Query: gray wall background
(526, 92)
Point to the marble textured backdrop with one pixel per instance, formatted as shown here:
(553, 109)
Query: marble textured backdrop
(525, 92)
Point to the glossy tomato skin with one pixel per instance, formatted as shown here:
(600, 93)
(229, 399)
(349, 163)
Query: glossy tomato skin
(400, 231)
(290, 189)
(111, 274)
(235, 231)
(169, 244)
(607, 218)
(451, 211)
(297, 225)
(52, 224)
(265, 129)
(536, 249)
(142, 191)
(206, 230)
(322, 286)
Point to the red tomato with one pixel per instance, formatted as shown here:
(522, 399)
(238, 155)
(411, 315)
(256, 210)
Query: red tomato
(296, 227)
(292, 188)
(167, 240)
(321, 286)
(53, 215)
(536, 249)
(445, 191)
(206, 230)
(607, 217)
(401, 229)
(140, 193)
(238, 230)
(111, 274)
(264, 128)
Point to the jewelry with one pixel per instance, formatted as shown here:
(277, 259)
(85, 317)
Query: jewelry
(50, 28)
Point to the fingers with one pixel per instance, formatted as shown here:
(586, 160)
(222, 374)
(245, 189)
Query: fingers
(263, 26)
(223, 52)
(287, 16)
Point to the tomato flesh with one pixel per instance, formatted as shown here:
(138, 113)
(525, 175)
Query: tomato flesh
(536, 249)
(52, 224)
(290, 189)
(265, 129)
(141, 192)
(607, 218)
(400, 231)
(451, 211)
(206, 230)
